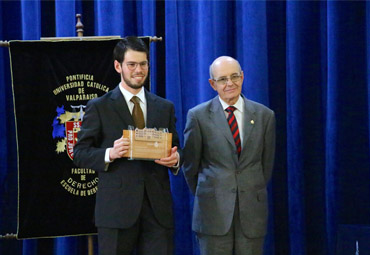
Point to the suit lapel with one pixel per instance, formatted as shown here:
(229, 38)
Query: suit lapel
(121, 108)
(249, 119)
(218, 117)
(151, 113)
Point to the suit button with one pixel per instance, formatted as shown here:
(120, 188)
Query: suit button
(237, 172)
(233, 190)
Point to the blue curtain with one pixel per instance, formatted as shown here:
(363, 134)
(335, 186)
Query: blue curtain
(307, 60)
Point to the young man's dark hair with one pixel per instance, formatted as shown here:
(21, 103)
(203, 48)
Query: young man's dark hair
(129, 43)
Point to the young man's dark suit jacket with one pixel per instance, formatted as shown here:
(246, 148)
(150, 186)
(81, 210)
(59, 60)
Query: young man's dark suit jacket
(121, 186)
(215, 174)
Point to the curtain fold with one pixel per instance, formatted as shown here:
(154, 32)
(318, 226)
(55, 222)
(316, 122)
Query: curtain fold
(30, 11)
(304, 139)
(105, 13)
(347, 103)
(174, 92)
(307, 60)
(251, 45)
(65, 18)
(29, 247)
(8, 149)
(3, 127)
(146, 26)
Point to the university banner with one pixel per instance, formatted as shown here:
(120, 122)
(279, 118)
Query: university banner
(52, 82)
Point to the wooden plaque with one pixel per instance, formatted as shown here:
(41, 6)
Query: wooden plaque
(148, 144)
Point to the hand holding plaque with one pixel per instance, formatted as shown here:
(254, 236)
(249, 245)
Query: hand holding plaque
(148, 144)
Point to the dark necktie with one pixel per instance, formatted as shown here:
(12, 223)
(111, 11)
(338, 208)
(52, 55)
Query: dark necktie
(234, 128)
(137, 113)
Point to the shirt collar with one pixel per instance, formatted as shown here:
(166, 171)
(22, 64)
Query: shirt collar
(239, 105)
(128, 95)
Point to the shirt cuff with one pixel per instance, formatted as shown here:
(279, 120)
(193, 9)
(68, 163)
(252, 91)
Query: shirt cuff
(107, 159)
(177, 166)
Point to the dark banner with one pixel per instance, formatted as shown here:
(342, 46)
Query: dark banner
(52, 82)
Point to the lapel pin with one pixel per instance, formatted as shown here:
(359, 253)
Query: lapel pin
(252, 122)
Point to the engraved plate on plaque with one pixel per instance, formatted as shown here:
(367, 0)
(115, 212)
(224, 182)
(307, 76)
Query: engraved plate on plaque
(148, 143)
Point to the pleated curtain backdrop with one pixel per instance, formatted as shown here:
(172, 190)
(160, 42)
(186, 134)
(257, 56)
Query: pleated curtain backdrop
(307, 60)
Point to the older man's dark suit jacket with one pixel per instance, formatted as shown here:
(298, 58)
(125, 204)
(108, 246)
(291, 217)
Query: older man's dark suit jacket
(215, 174)
(121, 187)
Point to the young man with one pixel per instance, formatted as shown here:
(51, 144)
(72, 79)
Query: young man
(133, 203)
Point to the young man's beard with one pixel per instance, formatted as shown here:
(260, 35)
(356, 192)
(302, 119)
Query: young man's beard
(134, 86)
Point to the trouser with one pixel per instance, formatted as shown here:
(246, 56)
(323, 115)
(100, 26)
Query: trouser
(145, 237)
(234, 242)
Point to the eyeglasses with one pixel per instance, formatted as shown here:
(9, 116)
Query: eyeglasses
(132, 65)
(233, 78)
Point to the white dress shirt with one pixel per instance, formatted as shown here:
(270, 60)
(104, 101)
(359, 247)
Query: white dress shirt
(141, 95)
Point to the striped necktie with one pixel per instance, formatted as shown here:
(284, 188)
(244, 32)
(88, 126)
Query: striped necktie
(234, 128)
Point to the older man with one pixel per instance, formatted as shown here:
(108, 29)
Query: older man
(228, 160)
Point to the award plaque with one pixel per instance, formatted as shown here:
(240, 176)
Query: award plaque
(148, 144)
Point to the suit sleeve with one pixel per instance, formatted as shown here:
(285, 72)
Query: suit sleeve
(175, 137)
(269, 148)
(192, 151)
(87, 151)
